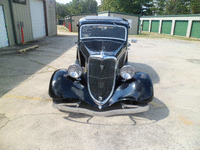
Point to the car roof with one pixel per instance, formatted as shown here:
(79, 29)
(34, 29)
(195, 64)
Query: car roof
(103, 20)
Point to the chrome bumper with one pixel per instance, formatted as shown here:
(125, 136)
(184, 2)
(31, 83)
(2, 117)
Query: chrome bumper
(126, 109)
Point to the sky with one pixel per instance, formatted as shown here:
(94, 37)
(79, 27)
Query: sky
(67, 1)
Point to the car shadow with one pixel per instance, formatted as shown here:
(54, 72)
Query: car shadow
(139, 67)
(157, 111)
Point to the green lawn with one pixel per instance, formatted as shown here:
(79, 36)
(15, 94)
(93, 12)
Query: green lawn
(62, 28)
(156, 35)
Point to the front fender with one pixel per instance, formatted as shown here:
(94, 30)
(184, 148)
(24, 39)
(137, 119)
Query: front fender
(62, 87)
(139, 89)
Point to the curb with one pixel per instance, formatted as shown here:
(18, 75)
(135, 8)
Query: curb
(28, 49)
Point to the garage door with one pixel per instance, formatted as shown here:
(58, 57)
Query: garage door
(181, 28)
(166, 26)
(38, 19)
(3, 31)
(145, 25)
(155, 26)
(195, 29)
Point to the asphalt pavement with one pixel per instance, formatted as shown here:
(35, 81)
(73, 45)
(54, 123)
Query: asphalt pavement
(28, 120)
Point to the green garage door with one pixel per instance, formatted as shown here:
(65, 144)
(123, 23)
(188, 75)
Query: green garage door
(195, 29)
(166, 26)
(155, 26)
(145, 25)
(181, 28)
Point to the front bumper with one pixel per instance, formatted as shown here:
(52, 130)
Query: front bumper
(123, 111)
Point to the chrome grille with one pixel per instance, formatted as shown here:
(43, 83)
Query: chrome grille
(101, 77)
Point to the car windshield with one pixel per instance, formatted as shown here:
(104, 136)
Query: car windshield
(103, 31)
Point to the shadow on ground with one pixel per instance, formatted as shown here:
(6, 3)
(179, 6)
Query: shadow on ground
(15, 67)
(157, 111)
(139, 67)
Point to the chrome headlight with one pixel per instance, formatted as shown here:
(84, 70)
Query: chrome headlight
(127, 72)
(75, 71)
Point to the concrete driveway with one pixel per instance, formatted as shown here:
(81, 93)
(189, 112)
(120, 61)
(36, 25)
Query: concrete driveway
(28, 120)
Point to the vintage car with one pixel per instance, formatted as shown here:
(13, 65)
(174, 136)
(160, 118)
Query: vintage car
(101, 82)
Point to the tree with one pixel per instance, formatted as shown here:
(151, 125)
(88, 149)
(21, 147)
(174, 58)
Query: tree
(195, 6)
(177, 7)
(158, 7)
(61, 10)
(146, 7)
(108, 5)
(139, 7)
(76, 7)
(91, 6)
(83, 6)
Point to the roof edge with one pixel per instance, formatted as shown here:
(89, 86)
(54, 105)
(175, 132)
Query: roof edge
(118, 13)
(85, 14)
(185, 15)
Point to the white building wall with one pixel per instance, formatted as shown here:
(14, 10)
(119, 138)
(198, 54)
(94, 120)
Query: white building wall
(51, 17)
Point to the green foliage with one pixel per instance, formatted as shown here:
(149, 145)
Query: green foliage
(76, 7)
(158, 7)
(139, 7)
(195, 6)
(177, 7)
(61, 10)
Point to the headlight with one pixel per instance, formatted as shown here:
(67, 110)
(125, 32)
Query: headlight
(75, 71)
(127, 72)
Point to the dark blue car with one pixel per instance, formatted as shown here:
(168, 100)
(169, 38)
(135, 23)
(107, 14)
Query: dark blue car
(101, 82)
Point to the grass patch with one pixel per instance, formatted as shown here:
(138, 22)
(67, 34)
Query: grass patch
(62, 28)
(165, 36)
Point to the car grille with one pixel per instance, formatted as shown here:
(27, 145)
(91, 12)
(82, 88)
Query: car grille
(101, 77)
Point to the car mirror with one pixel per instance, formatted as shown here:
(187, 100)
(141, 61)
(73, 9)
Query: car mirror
(129, 44)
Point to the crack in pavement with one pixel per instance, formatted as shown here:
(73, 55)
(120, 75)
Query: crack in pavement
(2, 117)
(8, 121)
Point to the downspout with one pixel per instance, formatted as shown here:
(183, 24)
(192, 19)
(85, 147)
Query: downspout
(45, 15)
(71, 22)
(139, 25)
(13, 21)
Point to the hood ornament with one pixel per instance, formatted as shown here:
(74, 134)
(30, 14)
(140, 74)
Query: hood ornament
(101, 66)
(100, 98)
(102, 49)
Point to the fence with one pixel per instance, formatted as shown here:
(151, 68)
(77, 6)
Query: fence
(181, 25)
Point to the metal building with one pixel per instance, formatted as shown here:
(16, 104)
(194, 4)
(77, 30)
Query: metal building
(73, 19)
(32, 18)
(180, 25)
(131, 18)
